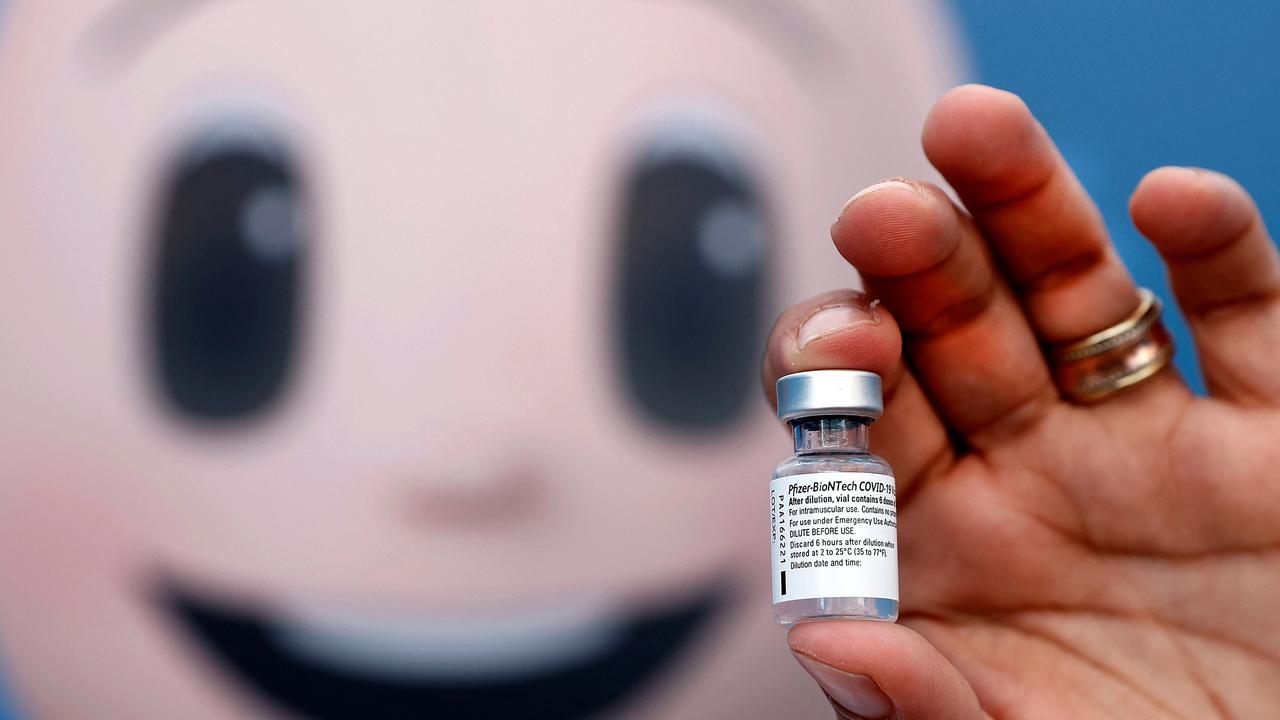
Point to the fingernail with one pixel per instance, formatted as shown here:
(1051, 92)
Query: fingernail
(833, 318)
(886, 185)
(855, 695)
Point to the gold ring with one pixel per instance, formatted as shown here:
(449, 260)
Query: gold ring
(1123, 355)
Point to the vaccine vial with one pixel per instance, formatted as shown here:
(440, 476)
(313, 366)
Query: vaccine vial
(834, 532)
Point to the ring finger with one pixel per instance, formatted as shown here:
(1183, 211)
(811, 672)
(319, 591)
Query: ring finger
(1045, 231)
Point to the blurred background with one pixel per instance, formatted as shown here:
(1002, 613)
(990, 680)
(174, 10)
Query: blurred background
(1127, 87)
(403, 359)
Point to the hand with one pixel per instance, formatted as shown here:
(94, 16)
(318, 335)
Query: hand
(1057, 561)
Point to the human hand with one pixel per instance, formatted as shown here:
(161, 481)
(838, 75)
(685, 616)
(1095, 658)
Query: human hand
(1057, 560)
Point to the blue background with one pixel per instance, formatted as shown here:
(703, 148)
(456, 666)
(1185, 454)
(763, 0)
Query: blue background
(1126, 87)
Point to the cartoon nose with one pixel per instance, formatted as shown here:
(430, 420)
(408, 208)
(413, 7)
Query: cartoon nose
(511, 493)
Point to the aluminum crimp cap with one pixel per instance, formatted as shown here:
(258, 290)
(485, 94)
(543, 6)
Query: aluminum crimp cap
(829, 392)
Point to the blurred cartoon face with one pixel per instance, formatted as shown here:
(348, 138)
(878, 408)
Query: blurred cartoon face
(375, 363)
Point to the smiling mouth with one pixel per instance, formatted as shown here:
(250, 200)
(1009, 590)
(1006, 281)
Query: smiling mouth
(337, 663)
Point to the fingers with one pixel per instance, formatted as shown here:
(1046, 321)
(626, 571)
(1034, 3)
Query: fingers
(838, 329)
(1225, 273)
(844, 329)
(1045, 231)
(882, 670)
(966, 337)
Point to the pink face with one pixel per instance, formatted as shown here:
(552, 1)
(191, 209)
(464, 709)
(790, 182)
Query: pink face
(382, 363)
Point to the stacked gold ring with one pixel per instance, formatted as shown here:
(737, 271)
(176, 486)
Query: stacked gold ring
(1123, 355)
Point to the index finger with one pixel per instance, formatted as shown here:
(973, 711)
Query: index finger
(846, 329)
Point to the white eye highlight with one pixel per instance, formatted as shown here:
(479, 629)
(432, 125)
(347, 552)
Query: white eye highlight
(731, 238)
(270, 223)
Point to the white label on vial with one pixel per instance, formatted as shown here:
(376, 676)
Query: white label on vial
(834, 534)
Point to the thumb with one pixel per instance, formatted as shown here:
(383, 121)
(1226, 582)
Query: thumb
(876, 670)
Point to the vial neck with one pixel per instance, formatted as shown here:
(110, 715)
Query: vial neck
(830, 434)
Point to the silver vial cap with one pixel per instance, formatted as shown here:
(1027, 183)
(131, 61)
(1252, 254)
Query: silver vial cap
(829, 392)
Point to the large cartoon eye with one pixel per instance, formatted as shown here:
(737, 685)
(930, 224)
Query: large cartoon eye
(692, 278)
(230, 252)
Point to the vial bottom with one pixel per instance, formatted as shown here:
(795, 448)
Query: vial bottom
(836, 608)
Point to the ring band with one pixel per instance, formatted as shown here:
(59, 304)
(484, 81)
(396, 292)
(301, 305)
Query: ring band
(1123, 355)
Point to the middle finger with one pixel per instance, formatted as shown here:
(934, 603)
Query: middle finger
(965, 334)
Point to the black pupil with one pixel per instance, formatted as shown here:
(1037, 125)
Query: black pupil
(226, 279)
(692, 291)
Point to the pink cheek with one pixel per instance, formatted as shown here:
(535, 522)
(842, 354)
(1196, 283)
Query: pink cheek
(64, 538)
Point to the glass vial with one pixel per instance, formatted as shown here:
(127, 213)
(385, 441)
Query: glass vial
(834, 531)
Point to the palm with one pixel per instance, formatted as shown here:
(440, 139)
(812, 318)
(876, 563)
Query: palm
(1117, 560)
(1105, 577)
